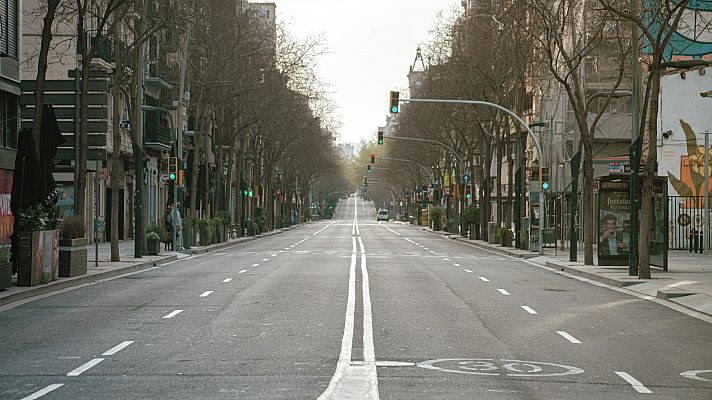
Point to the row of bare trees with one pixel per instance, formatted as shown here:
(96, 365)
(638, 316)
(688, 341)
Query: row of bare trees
(261, 118)
(530, 57)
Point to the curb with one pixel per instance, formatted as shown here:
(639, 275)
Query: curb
(594, 277)
(470, 242)
(65, 283)
(80, 280)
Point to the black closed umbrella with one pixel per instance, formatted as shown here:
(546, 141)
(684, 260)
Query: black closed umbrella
(33, 183)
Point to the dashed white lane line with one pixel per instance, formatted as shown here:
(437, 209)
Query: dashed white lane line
(173, 314)
(255, 265)
(273, 255)
(40, 393)
(504, 292)
(409, 240)
(569, 337)
(426, 249)
(446, 259)
(227, 280)
(529, 310)
(242, 271)
(432, 251)
(286, 248)
(483, 279)
(85, 367)
(457, 265)
(117, 348)
(467, 270)
(265, 259)
(634, 382)
(206, 293)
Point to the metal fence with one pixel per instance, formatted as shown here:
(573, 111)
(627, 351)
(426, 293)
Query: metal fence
(686, 225)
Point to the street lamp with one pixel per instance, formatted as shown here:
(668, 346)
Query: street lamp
(500, 25)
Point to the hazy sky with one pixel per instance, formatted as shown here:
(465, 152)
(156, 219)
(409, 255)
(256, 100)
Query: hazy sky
(363, 63)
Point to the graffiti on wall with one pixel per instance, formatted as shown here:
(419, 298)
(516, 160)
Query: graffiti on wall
(5, 212)
(690, 180)
(693, 36)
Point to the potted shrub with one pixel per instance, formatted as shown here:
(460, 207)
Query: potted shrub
(5, 267)
(188, 233)
(203, 231)
(260, 219)
(38, 252)
(218, 225)
(72, 247)
(155, 235)
(252, 228)
(435, 221)
(226, 222)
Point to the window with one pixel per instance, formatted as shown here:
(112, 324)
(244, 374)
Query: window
(8, 120)
(8, 19)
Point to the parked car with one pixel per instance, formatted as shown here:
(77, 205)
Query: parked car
(382, 215)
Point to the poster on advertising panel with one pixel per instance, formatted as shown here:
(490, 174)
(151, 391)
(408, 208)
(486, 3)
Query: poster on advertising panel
(613, 227)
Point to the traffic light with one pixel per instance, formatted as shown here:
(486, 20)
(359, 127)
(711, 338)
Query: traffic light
(369, 169)
(172, 168)
(365, 178)
(380, 136)
(394, 102)
(373, 158)
(468, 192)
(544, 178)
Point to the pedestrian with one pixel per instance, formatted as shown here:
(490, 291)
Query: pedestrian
(169, 227)
(178, 225)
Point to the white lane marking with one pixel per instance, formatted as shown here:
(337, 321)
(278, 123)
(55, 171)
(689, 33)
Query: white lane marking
(409, 240)
(446, 259)
(529, 310)
(40, 393)
(432, 251)
(568, 337)
(265, 259)
(286, 248)
(85, 367)
(483, 279)
(227, 280)
(426, 249)
(117, 348)
(455, 264)
(694, 374)
(634, 382)
(206, 293)
(353, 244)
(173, 314)
(369, 353)
(291, 246)
(255, 265)
(242, 271)
(273, 255)
(467, 270)
(320, 231)
(504, 292)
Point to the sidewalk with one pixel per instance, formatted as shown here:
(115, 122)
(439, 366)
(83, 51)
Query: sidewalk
(105, 268)
(688, 281)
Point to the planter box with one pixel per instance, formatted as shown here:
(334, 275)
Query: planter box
(5, 275)
(188, 237)
(72, 257)
(153, 247)
(38, 257)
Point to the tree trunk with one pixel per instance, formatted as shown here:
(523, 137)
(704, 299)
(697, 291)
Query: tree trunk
(646, 204)
(500, 151)
(116, 164)
(239, 171)
(196, 157)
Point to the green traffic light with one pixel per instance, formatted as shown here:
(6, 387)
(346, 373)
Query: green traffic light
(545, 185)
(172, 176)
(250, 193)
(469, 196)
(394, 109)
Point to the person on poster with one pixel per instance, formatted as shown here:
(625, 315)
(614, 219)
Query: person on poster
(611, 242)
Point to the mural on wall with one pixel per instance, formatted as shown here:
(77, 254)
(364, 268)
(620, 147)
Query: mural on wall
(693, 36)
(690, 180)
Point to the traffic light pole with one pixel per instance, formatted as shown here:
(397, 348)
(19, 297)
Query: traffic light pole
(509, 112)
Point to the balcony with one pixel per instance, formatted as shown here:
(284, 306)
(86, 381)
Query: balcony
(157, 137)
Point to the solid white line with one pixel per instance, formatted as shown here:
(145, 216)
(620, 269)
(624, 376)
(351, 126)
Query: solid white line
(369, 353)
(569, 337)
(409, 240)
(634, 382)
(483, 279)
(242, 271)
(206, 294)
(457, 265)
(255, 265)
(173, 314)
(360, 243)
(467, 270)
(117, 348)
(504, 292)
(286, 248)
(227, 280)
(85, 367)
(529, 310)
(40, 393)
(353, 244)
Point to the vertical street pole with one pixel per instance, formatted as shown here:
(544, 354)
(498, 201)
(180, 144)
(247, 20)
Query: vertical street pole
(707, 192)
(96, 215)
(575, 169)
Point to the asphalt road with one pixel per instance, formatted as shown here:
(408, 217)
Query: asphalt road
(351, 309)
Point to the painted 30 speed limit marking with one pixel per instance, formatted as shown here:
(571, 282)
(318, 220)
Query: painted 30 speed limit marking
(492, 367)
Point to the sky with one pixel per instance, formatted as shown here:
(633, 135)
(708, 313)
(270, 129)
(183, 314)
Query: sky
(364, 59)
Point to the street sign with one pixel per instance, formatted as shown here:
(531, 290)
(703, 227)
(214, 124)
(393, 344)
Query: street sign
(466, 179)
